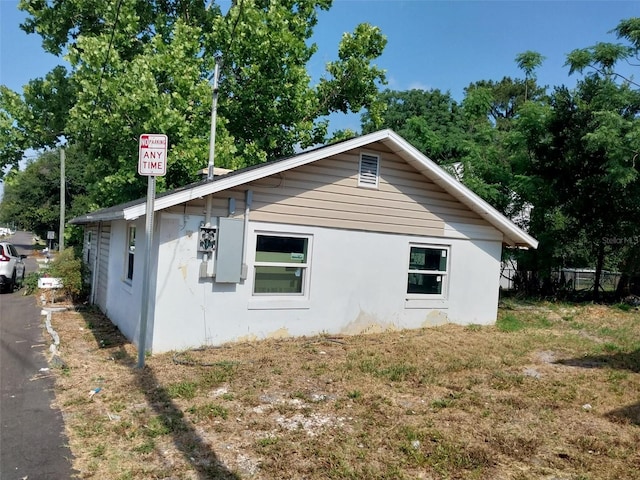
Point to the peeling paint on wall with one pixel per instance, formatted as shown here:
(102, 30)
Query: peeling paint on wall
(435, 318)
(367, 322)
(280, 333)
(247, 339)
(183, 270)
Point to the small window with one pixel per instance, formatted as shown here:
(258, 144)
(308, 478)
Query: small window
(428, 267)
(368, 173)
(88, 247)
(281, 265)
(131, 250)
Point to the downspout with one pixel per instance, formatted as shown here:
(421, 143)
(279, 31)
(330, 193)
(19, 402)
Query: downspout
(212, 148)
(214, 110)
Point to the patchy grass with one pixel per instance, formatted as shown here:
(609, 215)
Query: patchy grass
(550, 391)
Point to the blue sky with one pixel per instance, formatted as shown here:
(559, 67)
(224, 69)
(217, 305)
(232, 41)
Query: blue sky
(431, 44)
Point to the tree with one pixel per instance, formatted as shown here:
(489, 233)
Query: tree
(432, 121)
(603, 57)
(528, 62)
(32, 196)
(582, 172)
(145, 66)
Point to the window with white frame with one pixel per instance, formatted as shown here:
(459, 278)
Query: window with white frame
(428, 269)
(281, 265)
(131, 250)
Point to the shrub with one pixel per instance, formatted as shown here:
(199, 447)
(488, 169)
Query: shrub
(70, 268)
(30, 282)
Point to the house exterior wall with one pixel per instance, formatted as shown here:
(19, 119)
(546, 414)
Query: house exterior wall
(357, 282)
(326, 193)
(101, 265)
(123, 296)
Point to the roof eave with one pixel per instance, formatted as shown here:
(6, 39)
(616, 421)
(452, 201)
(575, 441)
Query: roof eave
(513, 234)
(96, 217)
(266, 170)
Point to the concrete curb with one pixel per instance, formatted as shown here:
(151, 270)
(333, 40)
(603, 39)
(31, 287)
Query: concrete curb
(55, 359)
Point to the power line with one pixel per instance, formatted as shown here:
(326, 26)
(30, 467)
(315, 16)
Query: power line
(104, 65)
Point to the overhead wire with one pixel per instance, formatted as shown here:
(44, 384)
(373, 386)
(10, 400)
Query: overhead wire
(104, 66)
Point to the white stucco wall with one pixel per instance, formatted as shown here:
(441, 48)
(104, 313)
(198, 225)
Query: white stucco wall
(357, 282)
(123, 296)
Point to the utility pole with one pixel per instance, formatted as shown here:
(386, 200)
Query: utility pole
(214, 110)
(62, 201)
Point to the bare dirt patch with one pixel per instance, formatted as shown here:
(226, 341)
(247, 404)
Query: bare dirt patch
(554, 395)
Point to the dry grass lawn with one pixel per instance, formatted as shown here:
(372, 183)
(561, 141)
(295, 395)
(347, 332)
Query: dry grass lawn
(550, 392)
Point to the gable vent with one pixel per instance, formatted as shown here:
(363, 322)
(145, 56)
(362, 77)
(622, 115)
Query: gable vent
(368, 175)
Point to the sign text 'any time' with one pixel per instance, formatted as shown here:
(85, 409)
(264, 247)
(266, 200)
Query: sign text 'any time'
(152, 154)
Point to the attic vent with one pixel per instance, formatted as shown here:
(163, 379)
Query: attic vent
(368, 175)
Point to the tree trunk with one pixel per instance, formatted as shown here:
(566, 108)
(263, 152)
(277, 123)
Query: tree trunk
(599, 264)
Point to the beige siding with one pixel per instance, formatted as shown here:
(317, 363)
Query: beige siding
(326, 193)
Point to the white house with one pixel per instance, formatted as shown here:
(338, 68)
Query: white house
(363, 235)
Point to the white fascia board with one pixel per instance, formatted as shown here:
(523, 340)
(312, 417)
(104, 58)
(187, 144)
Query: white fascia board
(513, 234)
(254, 174)
(97, 217)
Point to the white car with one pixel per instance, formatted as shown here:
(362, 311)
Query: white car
(11, 267)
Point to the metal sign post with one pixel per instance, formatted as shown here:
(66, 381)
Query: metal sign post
(152, 161)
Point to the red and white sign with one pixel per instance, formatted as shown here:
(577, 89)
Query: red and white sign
(152, 155)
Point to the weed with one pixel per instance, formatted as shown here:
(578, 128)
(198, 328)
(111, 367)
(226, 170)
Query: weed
(186, 390)
(610, 347)
(398, 372)
(625, 307)
(148, 446)
(90, 428)
(218, 375)
(99, 450)
(267, 441)
(156, 428)
(299, 395)
(209, 411)
(504, 380)
(509, 323)
(354, 394)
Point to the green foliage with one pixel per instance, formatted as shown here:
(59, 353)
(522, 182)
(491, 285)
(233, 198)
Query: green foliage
(30, 282)
(32, 197)
(73, 272)
(186, 390)
(139, 66)
(510, 323)
(581, 172)
(209, 411)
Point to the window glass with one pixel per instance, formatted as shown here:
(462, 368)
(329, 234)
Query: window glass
(131, 250)
(281, 249)
(427, 270)
(422, 258)
(278, 280)
(425, 283)
(280, 265)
